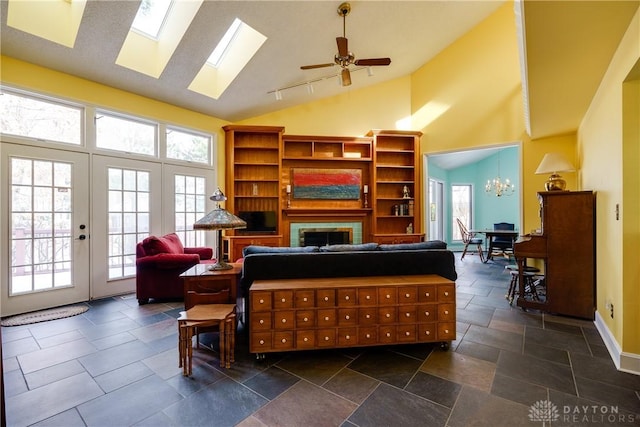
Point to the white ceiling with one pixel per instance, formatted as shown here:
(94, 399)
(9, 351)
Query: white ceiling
(568, 46)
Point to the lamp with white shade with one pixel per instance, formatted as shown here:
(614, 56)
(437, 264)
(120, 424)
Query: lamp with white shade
(553, 163)
(219, 219)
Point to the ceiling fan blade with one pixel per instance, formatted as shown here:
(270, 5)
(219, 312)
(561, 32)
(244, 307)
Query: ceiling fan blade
(346, 77)
(373, 61)
(343, 46)
(310, 67)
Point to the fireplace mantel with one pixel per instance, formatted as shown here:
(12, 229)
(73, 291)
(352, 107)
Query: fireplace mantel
(326, 212)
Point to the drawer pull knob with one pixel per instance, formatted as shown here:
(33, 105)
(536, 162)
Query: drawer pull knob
(284, 340)
(261, 342)
(284, 320)
(407, 295)
(306, 339)
(446, 294)
(326, 298)
(388, 296)
(388, 315)
(284, 300)
(326, 338)
(408, 314)
(368, 316)
(368, 297)
(388, 334)
(407, 333)
(446, 331)
(446, 312)
(262, 321)
(368, 335)
(326, 318)
(427, 333)
(347, 317)
(305, 299)
(306, 319)
(346, 298)
(426, 313)
(348, 337)
(261, 301)
(426, 294)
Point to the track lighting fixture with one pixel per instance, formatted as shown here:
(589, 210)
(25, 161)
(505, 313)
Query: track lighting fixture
(309, 83)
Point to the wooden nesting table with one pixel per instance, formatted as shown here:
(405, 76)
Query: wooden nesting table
(201, 316)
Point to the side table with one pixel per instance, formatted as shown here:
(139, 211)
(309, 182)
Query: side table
(202, 280)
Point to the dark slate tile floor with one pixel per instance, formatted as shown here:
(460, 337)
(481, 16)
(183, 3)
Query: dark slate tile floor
(117, 365)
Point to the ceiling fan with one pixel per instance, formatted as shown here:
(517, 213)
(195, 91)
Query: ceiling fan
(344, 58)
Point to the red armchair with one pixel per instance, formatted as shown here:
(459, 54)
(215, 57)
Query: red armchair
(159, 263)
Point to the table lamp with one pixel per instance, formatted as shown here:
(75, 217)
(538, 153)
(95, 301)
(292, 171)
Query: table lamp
(553, 163)
(219, 219)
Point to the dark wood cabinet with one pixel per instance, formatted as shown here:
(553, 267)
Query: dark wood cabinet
(567, 244)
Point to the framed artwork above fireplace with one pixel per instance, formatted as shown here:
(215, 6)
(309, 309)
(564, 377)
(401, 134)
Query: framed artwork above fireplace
(316, 183)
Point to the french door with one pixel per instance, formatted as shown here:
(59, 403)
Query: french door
(45, 228)
(127, 207)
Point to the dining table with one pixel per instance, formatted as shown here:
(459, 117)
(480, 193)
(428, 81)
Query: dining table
(490, 234)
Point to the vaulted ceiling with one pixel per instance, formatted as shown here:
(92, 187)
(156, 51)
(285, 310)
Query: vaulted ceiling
(567, 46)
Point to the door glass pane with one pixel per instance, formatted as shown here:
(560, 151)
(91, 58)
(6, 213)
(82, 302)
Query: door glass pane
(41, 242)
(189, 207)
(461, 207)
(128, 207)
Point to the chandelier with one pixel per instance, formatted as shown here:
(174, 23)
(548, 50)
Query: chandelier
(499, 187)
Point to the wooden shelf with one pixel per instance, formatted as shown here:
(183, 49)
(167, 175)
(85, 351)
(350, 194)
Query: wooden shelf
(396, 161)
(300, 147)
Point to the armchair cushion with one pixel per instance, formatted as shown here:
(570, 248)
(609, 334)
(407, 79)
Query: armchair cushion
(203, 253)
(167, 244)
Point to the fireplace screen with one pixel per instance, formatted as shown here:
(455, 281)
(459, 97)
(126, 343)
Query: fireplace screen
(325, 236)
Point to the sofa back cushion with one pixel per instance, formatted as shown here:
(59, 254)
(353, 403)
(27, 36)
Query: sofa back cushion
(431, 244)
(167, 244)
(349, 248)
(255, 249)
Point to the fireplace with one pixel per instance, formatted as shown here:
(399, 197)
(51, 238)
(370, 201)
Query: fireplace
(311, 233)
(325, 236)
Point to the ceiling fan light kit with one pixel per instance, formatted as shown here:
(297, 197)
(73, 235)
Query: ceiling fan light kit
(344, 58)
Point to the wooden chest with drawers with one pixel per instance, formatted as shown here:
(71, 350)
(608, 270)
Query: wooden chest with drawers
(305, 314)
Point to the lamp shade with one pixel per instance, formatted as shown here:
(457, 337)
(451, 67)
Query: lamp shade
(554, 162)
(219, 219)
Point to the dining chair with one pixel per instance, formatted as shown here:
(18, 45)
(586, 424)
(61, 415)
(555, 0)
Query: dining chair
(470, 239)
(500, 245)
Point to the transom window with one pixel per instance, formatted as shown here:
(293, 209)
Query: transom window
(188, 146)
(125, 134)
(29, 117)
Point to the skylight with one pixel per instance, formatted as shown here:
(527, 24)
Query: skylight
(218, 53)
(56, 20)
(150, 17)
(149, 55)
(231, 55)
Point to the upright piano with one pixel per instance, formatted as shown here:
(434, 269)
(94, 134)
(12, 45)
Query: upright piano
(566, 247)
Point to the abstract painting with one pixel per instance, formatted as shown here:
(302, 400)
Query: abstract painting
(311, 183)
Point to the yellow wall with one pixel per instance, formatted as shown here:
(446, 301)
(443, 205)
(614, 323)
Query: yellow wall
(470, 94)
(23, 75)
(352, 113)
(604, 145)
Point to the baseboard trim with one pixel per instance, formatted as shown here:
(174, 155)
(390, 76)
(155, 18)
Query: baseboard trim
(625, 362)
